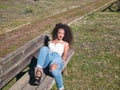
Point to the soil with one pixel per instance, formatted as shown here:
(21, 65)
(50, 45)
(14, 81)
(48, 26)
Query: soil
(13, 40)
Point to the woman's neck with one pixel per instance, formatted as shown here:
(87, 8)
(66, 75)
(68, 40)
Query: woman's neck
(58, 40)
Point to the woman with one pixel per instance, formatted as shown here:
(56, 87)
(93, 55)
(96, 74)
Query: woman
(55, 54)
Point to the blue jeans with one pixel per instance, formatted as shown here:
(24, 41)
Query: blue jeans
(47, 58)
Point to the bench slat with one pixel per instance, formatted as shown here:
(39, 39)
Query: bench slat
(15, 62)
(49, 81)
(46, 82)
(32, 87)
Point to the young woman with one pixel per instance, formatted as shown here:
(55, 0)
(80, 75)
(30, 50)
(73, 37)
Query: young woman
(54, 56)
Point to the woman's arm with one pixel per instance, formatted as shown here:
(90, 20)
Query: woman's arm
(66, 49)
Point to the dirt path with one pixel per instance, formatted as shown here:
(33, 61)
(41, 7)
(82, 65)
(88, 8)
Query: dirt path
(13, 40)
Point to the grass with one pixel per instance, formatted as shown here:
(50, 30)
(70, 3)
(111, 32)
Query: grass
(96, 62)
(16, 13)
(16, 23)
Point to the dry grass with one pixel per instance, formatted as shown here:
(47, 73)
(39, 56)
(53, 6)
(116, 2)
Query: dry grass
(96, 63)
(17, 38)
(16, 13)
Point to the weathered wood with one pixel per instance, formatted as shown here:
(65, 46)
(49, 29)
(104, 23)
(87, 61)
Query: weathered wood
(15, 62)
(65, 71)
(111, 4)
(46, 82)
(23, 57)
(32, 87)
(49, 81)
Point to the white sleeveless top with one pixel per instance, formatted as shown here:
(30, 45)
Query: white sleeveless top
(58, 47)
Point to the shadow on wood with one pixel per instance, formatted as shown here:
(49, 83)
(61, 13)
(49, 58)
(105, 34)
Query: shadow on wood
(33, 64)
(31, 71)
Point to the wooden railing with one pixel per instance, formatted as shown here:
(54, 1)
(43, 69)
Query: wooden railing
(113, 6)
(26, 56)
(15, 62)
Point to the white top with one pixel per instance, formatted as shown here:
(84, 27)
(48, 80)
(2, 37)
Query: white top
(58, 47)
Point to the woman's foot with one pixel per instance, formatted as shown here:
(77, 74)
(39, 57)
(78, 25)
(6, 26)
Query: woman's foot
(61, 88)
(38, 76)
(37, 81)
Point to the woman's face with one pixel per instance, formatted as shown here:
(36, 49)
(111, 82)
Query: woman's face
(60, 34)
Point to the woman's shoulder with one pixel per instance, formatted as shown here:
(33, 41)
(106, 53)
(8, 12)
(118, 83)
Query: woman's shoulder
(66, 43)
(50, 42)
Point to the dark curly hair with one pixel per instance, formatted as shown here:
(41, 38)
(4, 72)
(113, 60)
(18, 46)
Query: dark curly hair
(68, 37)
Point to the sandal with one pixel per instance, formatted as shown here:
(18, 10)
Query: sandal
(37, 81)
(38, 76)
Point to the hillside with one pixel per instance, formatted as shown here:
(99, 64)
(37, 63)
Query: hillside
(17, 13)
(96, 62)
(17, 37)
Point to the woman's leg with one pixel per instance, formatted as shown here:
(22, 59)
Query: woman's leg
(42, 56)
(55, 68)
(57, 75)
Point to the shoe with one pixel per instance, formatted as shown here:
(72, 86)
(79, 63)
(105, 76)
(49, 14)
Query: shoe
(38, 76)
(37, 81)
(61, 88)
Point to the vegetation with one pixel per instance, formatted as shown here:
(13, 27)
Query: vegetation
(96, 63)
(14, 13)
(15, 38)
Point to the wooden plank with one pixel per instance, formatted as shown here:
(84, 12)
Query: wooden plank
(15, 62)
(47, 84)
(109, 4)
(14, 71)
(49, 81)
(14, 57)
(28, 86)
(23, 83)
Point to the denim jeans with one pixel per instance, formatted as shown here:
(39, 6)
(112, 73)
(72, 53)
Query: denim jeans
(45, 58)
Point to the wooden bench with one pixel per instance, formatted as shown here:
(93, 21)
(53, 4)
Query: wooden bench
(113, 6)
(26, 56)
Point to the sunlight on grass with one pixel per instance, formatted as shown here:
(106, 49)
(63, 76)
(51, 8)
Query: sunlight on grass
(29, 11)
(96, 63)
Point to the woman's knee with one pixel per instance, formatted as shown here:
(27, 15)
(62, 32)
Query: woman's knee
(44, 48)
(53, 67)
(54, 70)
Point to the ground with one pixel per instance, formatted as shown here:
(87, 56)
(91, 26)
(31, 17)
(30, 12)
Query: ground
(14, 39)
(96, 62)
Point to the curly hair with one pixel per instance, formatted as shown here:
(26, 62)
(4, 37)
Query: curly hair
(68, 37)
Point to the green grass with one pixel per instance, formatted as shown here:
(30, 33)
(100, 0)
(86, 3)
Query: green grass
(96, 62)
